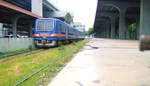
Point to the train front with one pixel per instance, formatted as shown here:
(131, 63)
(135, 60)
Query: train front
(44, 32)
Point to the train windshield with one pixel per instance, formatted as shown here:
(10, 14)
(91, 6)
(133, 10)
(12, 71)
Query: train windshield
(45, 25)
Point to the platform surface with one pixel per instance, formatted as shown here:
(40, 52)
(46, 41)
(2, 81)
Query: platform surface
(114, 63)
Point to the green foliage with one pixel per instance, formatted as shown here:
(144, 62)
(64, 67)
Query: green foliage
(30, 47)
(132, 30)
(60, 43)
(132, 27)
(69, 18)
(89, 32)
(74, 43)
(86, 33)
(61, 46)
(13, 71)
(3, 54)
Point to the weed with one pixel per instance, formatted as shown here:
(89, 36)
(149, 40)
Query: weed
(60, 43)
(74, 43)
(30, 47)
(4, 54)
(62, 47)
(25, 68)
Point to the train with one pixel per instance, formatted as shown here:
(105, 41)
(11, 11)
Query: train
(48, 32)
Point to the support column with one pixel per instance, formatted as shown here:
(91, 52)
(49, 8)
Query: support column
(145, 17)
(113, 28)
(14, 24)
(1, 30)
(137, 28)
(99, 31)
(37, 7)
(102, 31)
(132, 34)
(14, 27)
(108, 30)
(122, 24)
(30, 29)
(127, 32)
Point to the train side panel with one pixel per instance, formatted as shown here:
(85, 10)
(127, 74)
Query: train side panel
(48, 32)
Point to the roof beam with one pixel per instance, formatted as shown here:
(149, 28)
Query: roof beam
(13, 7)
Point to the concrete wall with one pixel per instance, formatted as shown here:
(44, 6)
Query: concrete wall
(11, 44)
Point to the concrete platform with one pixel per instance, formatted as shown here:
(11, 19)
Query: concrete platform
(115, 63)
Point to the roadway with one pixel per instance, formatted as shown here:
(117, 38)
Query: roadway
(114, 63)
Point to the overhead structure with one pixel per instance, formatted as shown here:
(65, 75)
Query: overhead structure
(18, 15)
(118, 14)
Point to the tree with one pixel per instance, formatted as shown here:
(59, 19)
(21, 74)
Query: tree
(69, 18)
(132, 30)
(89, 32)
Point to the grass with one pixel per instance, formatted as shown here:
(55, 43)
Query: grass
(4, 54)
(17, 69)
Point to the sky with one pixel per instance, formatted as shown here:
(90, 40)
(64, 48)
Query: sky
(84, 10)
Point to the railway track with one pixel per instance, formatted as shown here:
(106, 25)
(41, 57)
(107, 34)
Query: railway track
(7, 58)
(45, 67)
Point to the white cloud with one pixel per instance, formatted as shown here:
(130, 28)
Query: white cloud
(84, 10)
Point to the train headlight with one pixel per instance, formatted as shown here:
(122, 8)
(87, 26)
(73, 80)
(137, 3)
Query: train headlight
(52, 34)
(37, 34)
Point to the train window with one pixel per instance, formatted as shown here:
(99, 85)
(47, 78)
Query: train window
(58, 28)
(40, 25)
(49, 26)
(76, 33)
(72, 31)
(66, 29)
(63, 29)
(69, 30)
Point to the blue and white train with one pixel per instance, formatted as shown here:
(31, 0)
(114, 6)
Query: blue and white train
(48, 32)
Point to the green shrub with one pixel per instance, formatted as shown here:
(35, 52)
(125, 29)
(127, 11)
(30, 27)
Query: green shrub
(62, 47)
(74, 43)
(60, 43)
(30, 47)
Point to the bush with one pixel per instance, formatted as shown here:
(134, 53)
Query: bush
(61, 46)
(30, 47)
(74, 43)
(60, 43)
